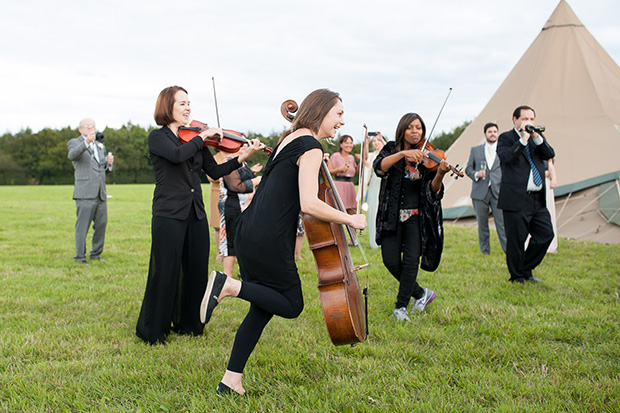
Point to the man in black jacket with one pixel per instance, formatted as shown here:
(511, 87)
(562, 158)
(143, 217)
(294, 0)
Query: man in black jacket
(522, 151)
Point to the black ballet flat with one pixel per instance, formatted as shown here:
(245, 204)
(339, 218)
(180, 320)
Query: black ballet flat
(215, 285)
(224, 390)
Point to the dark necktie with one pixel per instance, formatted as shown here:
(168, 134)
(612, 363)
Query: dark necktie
(535, 173)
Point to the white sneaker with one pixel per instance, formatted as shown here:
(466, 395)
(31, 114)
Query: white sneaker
(400, 314)
(421, 303)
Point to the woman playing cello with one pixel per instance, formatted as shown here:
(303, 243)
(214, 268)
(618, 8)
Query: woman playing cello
(265, 238)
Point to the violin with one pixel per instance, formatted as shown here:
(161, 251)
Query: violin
(231, 142)
(344, 308)
(433, 157)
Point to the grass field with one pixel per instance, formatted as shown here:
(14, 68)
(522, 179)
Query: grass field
(67, 339)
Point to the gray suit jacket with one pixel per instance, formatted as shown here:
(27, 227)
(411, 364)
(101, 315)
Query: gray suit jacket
(494, 173)
(89, 174)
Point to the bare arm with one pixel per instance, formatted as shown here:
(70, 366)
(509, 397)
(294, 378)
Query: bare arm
(309, 165)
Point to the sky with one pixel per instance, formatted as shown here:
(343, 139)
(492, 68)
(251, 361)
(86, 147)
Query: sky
(65, 60)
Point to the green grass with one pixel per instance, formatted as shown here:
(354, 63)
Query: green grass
(67, 338)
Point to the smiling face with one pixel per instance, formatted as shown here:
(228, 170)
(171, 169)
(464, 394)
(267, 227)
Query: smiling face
(414, 133)
(346, 145)
(180, 109)
(332, 121)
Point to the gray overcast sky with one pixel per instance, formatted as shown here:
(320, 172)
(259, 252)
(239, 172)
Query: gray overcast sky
(109, 59)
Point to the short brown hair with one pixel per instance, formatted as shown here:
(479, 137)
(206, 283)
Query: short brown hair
(164, 105)
(312, 111)
(490, 125)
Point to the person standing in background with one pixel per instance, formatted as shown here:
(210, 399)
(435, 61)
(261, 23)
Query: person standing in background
(483, 167)
(343, 166)
(214, 197)
(551, 181)
(373, 184)
(91, 164)
(236, 191)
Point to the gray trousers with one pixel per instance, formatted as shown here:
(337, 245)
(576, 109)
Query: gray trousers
(87, 211)
(481, 207)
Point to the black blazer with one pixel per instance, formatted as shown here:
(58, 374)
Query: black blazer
(516, 168)
(177, 169)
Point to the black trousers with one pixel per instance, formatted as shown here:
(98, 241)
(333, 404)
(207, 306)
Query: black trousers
(265, 302)
(177, 278)
(401, 256)
(533, 219)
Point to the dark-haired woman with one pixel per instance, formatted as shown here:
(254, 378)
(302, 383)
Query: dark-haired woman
(178, 271)
(343, 166)
(409, 220)
(265, 238)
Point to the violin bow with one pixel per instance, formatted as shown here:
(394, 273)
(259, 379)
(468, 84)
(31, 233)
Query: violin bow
(217, 113)
(436, 119)
(361, 205)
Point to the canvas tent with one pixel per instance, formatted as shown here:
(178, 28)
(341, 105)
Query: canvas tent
(574, 86)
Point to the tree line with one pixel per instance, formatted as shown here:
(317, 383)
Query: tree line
(40, 158)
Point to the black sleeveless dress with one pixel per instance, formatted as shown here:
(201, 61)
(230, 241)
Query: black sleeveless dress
(266, 230)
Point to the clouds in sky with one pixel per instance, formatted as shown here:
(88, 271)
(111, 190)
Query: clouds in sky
(65, 60)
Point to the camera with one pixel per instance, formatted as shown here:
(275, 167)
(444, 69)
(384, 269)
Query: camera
(99, 136)
(372, 133)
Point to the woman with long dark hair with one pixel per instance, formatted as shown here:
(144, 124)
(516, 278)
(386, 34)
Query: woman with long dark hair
(409, 220)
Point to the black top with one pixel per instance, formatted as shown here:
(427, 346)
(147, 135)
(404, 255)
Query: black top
(266, 230)
(412, 186)
(177, 169)
(516, 168)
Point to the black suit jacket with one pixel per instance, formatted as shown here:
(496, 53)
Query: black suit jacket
(177, 169)
(516, 168)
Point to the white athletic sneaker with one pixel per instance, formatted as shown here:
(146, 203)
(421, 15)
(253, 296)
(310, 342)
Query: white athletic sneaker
(421, 303)
(400, 314)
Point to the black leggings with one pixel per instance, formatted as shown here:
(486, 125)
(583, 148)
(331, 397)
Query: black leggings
(265, 302)
(401, 256)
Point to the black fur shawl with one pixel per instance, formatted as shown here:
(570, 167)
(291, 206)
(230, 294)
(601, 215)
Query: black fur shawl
(431, 216)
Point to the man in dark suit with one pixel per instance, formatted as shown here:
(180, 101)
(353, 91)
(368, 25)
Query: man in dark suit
(90, 163)
(483, 167)
(522, 151)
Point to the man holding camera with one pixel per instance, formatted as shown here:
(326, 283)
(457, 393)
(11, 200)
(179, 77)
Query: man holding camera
(522, 151)
(90, 162)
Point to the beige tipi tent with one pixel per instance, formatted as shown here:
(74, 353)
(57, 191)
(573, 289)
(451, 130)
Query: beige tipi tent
(574, 86)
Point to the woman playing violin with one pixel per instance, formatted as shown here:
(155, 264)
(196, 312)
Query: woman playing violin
(265, 239)
(409, 220)
(177, 274)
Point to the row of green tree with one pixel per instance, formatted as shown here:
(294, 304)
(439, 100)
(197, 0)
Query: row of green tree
(41, 157)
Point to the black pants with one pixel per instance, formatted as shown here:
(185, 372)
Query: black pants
(265, 302)
(533, 219)
(401, 256)
(177, 278)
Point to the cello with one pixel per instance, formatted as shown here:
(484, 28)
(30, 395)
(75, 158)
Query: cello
(342, 300)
